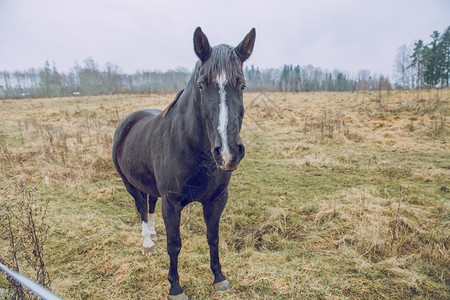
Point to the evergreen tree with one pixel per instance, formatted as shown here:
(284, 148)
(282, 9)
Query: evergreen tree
(45, 77)
(432, 72)
(443, 52)
(418, 62)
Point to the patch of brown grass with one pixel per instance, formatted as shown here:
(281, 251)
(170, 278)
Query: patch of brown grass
(340, 195)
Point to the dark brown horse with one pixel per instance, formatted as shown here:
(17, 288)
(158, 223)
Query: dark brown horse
(187, 152)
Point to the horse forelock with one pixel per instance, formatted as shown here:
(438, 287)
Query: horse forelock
(223, 60)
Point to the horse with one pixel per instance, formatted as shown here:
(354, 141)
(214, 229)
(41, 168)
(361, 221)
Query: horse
(187, 152)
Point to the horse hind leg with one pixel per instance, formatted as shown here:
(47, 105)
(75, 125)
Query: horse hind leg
(148, 226)
(140, 199)
(151, 217)
(148, 245)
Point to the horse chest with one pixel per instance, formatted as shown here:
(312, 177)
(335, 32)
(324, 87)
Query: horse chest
(195, 185)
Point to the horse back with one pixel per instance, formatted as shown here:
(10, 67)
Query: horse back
(127, 124)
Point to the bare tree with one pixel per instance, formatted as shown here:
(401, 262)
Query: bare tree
(363, 80)
(112, 78)
(402, 69)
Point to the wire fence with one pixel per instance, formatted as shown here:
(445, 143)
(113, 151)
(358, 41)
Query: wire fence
(33, 286)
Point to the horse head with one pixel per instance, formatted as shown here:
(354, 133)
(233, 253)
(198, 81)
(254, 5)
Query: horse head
(220, 84)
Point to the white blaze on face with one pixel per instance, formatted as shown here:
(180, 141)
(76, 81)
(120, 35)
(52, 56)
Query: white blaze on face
(221, 80)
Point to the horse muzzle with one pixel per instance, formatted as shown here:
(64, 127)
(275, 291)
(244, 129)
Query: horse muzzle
(229, 159)
(228, 167)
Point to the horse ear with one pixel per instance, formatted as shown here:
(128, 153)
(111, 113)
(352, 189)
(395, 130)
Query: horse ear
(201, 45)
(245, 48)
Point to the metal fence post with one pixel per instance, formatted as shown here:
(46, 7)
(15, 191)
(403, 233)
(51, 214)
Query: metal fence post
(33, 286)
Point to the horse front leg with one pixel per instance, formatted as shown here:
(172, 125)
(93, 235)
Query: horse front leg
(171, 216)
(212, 210)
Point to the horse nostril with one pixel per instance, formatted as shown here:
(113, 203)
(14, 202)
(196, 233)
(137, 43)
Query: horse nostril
(216, 152)
(241, 149)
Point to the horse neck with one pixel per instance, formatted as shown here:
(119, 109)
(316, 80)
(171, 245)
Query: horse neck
(188, 118)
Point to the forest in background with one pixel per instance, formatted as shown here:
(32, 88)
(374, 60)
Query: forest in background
(419, 65)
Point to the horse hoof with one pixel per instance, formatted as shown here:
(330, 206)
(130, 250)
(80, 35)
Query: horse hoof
(181, 296)
(149, 250)
(154, 237)
(222, 286)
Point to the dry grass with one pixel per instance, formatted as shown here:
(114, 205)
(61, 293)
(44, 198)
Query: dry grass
(341, 195)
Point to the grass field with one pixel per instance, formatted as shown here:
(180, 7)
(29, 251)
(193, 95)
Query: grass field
(340, 195)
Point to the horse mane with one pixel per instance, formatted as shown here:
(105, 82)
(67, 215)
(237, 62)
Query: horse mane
(164, 113)
(223, 59)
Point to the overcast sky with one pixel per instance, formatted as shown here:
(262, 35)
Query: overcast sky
(157, 35)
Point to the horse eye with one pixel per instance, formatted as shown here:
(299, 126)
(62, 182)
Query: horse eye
(200, 86)
(243, 87)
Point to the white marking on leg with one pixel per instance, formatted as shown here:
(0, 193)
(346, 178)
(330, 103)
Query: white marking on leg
(146, 234)
(151, 226)
(221, 80)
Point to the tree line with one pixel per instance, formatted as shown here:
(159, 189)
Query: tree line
(298, 78)
(422, 65)
(90, 79)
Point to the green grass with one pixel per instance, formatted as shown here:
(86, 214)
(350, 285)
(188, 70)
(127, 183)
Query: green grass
(339, 196)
